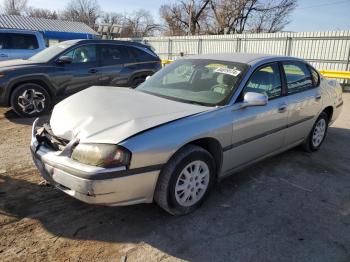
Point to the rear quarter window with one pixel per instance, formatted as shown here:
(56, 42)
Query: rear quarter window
(140, 54)
(315, 77)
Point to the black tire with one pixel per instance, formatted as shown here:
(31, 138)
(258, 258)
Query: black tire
(137, 81)
(165, 188)
(308, 145)
(41, 95)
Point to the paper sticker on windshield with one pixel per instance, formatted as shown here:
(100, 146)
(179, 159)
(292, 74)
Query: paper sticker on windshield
(227, 71)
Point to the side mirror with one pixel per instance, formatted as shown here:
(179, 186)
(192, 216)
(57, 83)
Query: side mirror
(254, 99)
(64, 60)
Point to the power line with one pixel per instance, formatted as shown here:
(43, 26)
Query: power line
(321, 5)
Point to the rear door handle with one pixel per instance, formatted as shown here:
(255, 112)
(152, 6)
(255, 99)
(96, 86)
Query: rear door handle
(282, 108)
(93, 71)
(318, 97)
(3, 55)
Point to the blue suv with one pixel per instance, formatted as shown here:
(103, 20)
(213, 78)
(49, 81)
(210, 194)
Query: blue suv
(31, 86)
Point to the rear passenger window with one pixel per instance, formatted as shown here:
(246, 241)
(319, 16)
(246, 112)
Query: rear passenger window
(112, 54)
(298, 77)
(265, 80)
(22, 41)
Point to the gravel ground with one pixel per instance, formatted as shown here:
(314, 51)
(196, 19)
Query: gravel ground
(291, 207)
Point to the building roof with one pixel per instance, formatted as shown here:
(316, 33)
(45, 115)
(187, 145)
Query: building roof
(42, 24)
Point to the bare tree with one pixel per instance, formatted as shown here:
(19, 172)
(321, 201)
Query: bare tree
(174, 21)
(139, 24)
(112, 18)
(226, 16)
(41, 13)
(14, 7)
(231, 15)
(273, 17)
(86, 11)
(184, 15)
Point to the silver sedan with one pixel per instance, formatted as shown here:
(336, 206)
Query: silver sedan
(194, 122)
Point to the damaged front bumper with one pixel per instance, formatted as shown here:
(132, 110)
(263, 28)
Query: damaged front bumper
(91, 184)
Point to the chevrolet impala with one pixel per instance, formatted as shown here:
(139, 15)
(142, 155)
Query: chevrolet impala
(192, 123)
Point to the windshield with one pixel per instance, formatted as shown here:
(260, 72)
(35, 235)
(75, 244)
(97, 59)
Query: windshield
(50, 52)
(198, 81)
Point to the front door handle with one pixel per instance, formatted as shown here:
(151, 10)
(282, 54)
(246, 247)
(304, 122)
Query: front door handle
(318, 97)
(282, 108)
(93, 71)
(3, 55)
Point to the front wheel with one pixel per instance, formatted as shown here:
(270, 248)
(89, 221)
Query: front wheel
(318, 134)
(137, 81)
(30, 100)
(185, 181)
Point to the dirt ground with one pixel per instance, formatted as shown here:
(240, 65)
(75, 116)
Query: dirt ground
(291, 207)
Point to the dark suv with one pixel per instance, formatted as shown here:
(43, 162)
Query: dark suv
(31, 86)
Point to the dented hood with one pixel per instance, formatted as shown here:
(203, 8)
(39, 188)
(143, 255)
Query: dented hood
(102, 114)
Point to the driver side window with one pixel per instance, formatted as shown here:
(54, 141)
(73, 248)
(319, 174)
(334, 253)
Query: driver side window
(266, 80)
(83, 54)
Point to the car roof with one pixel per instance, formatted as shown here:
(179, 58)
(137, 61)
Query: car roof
(245, 58)
(100, 41)
(18, 31)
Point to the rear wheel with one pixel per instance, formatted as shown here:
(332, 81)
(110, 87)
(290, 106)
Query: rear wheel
(185, 181)
(30, 100)
(317, 134)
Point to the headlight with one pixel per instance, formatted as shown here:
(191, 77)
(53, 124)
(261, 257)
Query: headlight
(103, 155)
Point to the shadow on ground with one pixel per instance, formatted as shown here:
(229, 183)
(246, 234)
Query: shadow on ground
(295, 206)
(14, 118)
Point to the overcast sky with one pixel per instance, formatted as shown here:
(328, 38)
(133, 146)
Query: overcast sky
(310, 15)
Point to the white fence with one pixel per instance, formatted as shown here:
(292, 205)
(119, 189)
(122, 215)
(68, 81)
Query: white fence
(325, 50)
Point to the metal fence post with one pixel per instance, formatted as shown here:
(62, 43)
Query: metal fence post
(347, 67)
(348, 61)
(199, 47)
(238, 45)
(288, 49)
(170, 49)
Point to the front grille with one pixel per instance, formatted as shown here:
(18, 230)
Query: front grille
(44, 135)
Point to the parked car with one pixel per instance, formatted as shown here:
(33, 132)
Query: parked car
(31, 86)
(20, 44)
(194, 122)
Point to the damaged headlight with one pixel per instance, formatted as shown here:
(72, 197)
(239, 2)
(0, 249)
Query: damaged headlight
(102, 155)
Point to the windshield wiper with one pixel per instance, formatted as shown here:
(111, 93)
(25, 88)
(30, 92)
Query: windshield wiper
(194, 103)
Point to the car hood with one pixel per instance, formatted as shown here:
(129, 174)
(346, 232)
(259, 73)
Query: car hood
(15, 63)
(102, 114)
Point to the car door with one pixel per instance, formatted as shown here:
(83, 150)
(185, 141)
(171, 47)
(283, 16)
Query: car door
(5, 53)
(259, 130)
(304, 100)
(111, 64)
(82, 72)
